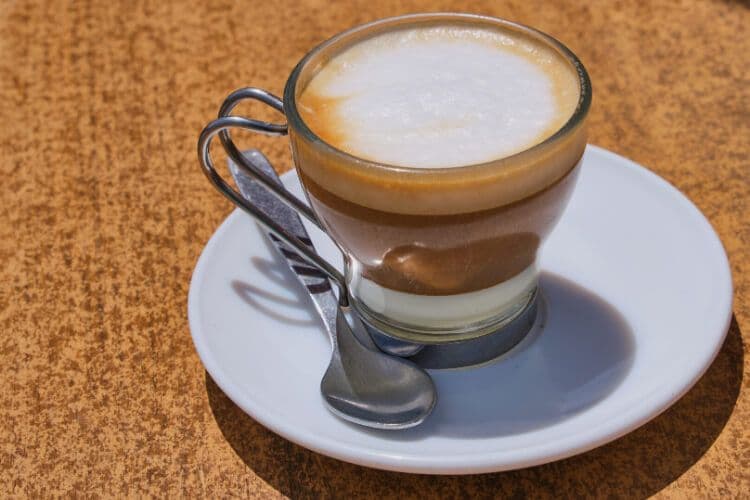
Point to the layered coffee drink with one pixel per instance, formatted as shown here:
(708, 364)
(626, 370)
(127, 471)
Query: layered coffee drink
(443, 155)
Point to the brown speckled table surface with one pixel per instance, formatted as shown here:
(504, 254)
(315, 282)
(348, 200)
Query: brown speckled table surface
(104, 212)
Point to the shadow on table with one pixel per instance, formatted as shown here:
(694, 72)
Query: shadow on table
(637, 465)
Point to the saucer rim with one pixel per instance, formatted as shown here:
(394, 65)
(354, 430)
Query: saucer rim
(651, 406)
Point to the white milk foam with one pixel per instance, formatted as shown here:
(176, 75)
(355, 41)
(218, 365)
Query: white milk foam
(439, 97)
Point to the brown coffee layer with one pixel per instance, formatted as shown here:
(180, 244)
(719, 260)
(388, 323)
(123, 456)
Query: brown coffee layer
(441, 254)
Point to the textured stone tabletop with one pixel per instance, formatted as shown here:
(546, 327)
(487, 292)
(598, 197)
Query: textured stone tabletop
(104, 212)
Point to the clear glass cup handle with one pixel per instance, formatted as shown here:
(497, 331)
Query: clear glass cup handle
(221, 127)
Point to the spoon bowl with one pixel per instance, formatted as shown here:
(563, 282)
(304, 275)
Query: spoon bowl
(373, 389)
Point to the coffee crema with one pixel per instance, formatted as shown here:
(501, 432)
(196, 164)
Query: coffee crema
(445, 123)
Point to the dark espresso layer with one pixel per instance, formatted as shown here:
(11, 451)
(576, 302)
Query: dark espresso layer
(441, 254)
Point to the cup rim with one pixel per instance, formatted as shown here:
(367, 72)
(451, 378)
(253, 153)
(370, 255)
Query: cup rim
(297, 123)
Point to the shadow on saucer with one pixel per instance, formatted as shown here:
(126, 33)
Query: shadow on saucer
(578, 353)
(636, 465)
(294, 310)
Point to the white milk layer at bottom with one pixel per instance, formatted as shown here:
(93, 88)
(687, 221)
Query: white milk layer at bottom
(445, 311)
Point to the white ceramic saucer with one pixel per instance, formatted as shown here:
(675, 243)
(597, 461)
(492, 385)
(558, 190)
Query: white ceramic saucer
(638, 300)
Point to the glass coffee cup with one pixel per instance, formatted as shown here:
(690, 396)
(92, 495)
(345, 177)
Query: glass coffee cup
(432, 254)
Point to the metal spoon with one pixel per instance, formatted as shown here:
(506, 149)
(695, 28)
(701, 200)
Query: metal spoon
(362, 384)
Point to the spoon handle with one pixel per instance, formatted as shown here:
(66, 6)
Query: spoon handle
(314, 281)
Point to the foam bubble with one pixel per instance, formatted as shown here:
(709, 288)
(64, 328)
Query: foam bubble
(439, 97)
